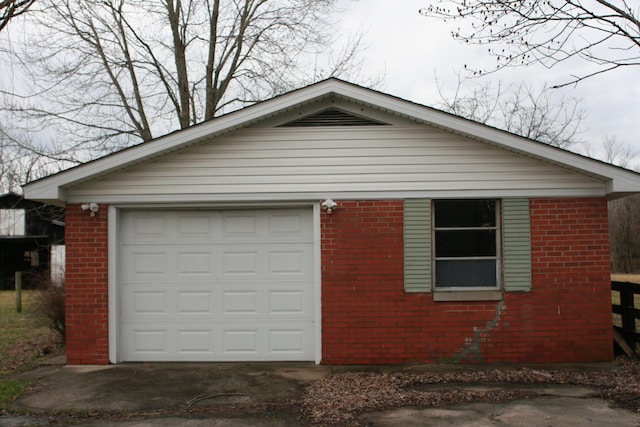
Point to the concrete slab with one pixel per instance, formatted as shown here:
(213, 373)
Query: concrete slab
(149, 387)
(255, 394)
(548, 411)
(559, 390)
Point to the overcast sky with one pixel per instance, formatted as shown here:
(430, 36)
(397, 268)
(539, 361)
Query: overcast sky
(409, 50)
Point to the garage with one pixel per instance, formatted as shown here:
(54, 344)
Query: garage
(303, 228)
(216, 285)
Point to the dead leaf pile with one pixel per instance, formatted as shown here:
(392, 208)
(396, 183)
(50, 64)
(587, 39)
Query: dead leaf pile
(340, 398)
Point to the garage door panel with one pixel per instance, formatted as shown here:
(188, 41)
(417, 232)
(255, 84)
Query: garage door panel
(196, 303)
(217, 285)
(198, 226)
(149, 342)
(291, 262)
(221, 226)
(287, 341)
(239, 262)
(252, 341)
(148, 227)
(196, 264)
(240, 226)
(150, 303)
(285, 260)
(266, 226)
(240, 303)
(196, 342)
(289, 302)
(165, 300)
(166, 262)
(219, 303)
(206, 263)
(148, 262)
(286, 226)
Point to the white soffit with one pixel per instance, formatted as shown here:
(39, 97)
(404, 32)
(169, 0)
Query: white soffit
(52, 188)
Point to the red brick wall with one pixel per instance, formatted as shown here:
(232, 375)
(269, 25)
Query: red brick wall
(368, 318)
(87, 309)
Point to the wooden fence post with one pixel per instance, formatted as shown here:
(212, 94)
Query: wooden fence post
(19, 291)
(628, 313)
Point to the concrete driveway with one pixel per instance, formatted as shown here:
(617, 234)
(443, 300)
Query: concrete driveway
(234, 394)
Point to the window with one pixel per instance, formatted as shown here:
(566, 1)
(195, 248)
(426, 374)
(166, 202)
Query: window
(509, 266)
(12, 222)
(466, 244)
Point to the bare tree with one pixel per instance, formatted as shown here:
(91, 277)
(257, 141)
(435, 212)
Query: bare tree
(604, 33)
(109, 73)
(624, 213)
(11, 8)
(613, 150)
(617, 152)
(518, 109)
(624, 233)
(22, 160)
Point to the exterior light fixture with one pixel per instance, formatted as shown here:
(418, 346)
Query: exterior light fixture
(91, 207)
(329, 205)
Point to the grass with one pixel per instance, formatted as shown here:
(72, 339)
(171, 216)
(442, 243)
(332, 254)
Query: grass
(25, 339)
(10, 389)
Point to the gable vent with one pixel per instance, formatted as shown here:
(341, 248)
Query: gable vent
(332, 117)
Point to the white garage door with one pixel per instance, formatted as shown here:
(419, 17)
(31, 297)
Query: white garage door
(217, 285)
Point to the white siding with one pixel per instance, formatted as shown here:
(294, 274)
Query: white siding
(386, 161)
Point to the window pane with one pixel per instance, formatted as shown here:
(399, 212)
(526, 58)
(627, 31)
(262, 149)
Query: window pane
(466, 273)
(465, 243)
(465, 213)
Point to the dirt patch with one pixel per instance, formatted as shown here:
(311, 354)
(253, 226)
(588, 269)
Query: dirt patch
(26, 353)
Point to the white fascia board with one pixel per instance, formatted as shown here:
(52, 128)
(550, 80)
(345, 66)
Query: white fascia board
(52, 195)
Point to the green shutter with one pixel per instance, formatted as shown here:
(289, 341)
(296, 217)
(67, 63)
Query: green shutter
(417, 245)
(516, 245)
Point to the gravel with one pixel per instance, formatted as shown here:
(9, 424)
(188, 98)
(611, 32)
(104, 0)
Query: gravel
(340, 398)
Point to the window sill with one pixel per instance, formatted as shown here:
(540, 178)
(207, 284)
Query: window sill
(467, 295)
